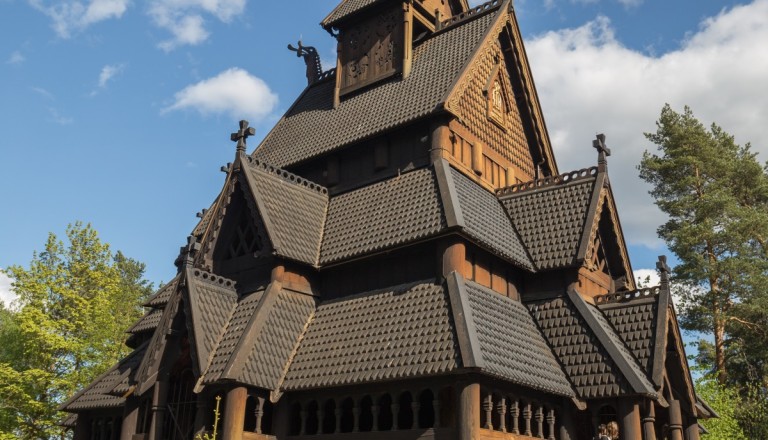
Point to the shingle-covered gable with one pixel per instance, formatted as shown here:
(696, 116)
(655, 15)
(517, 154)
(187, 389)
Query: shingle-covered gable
(594, 357)
(209, 303)
(396, 333)
(313, 127)
(236, 327)
(271, 350)
(510, 343)
(550, 215)
(293, 209)
(634, 319)
(589, 368)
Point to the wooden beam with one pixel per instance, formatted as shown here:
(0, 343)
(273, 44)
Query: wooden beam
(234, 414)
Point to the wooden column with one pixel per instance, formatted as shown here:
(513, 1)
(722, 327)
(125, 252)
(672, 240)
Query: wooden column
(441, 141)
(159, 407)
(629, 418)
(453, 256)
(675, 420)
(692, 429)
(234, 414)
(469, 411)
(130, 418)
(649, 421)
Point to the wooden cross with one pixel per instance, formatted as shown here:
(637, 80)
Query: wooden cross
(663, 268)
(602, 150)
(242, 135)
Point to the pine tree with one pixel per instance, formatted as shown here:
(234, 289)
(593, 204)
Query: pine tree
(715, 194)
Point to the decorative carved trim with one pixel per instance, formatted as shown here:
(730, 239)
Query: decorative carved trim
(591, 246)
(573, 176)
(616, 297)
(459, 18)
(327, 75)
(285, 175)
(213, 279)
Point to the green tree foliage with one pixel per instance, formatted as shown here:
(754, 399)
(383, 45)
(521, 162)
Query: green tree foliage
(715, 194)
(725, 401)
(74, 303)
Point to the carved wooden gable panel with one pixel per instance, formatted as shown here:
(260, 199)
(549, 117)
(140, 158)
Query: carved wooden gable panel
(371, 50)
(488, 108)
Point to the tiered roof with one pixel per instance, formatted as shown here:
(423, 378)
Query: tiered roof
(312, 126)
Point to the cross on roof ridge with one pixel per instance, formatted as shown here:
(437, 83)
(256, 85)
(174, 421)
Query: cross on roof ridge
(242, 135)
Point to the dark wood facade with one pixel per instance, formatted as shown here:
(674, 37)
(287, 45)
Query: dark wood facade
(401, 257)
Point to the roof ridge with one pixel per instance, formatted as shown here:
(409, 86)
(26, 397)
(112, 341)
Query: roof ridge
(560, 179)
(626, 296)
(286, 175)
(472, 13)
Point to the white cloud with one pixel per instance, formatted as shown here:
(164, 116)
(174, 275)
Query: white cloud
(108, 72)
(184, 18)
(15, 58)
(233, 91)
(72, 16)
(7, 296)
(652, 277)
(590, 83)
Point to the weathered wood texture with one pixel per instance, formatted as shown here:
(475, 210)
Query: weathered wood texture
(234, 414)
(508, 141)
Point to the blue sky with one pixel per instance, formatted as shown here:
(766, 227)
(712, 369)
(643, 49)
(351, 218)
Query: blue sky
(118, 112)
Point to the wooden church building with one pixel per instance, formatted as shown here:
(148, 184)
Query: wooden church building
(402, 258)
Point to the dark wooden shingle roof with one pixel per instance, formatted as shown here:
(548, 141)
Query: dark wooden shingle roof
(550, 215)
(98, 393)
(594, 357)
(383, 215)
(486, 221)
(292, 208)
(346, 8)
(511, 345)
(312, 126)
(396, 333)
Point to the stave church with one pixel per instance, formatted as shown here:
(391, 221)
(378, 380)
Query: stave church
(401, 257)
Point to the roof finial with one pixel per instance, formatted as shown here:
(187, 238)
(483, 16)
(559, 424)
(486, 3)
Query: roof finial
(241, 135)
(187, 253)
(602, 152)
(664, 270)
(311, 59)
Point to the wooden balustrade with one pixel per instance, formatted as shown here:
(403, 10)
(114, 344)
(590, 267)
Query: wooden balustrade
(509, 417)
(372, 413)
